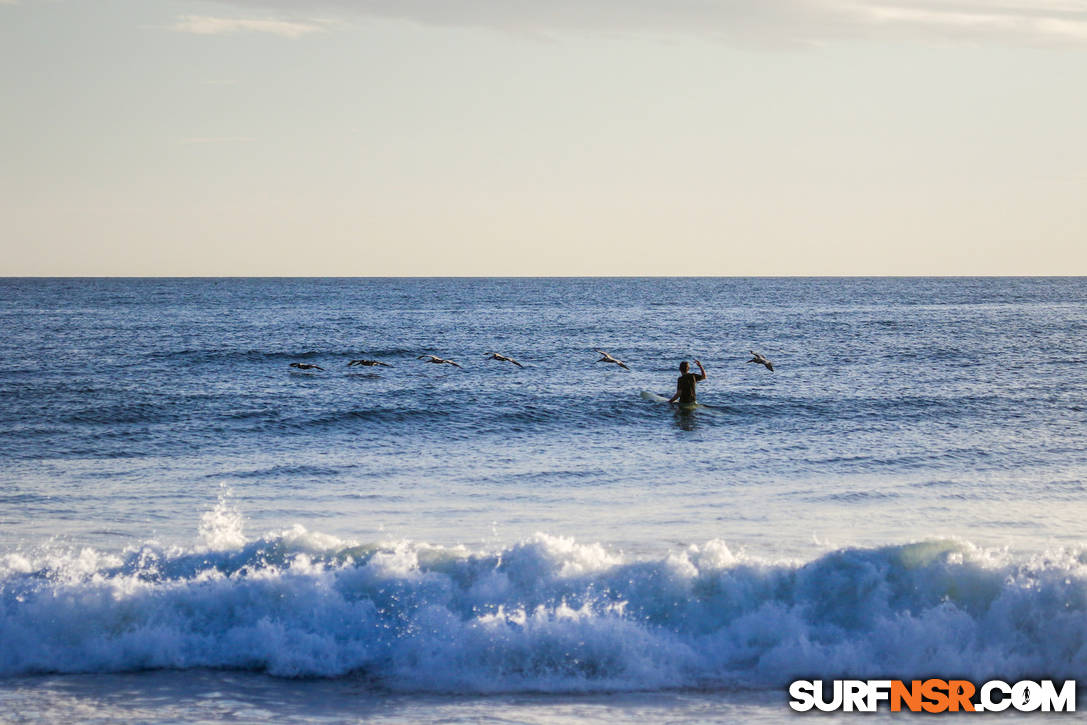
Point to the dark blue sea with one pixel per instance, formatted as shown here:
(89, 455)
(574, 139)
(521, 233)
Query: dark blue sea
(191, 529)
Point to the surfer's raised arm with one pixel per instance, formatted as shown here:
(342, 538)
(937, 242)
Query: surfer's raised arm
(702, 371)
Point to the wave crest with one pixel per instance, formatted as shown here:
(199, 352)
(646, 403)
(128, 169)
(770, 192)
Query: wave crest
(546, 614)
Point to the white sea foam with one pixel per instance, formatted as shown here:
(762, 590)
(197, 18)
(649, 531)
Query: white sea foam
(545, 614)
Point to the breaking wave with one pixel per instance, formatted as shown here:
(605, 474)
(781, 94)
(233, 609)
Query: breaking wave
(546, 615)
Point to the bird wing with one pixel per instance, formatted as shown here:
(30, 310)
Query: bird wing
(769, 365)
(516, 363)
(622, 364)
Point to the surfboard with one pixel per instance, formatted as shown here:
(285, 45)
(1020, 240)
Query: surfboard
(654, 398)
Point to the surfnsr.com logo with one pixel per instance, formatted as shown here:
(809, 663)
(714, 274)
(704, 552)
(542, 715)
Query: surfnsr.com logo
(932, 695)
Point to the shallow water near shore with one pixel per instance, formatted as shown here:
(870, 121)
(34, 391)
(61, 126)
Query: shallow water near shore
(251, 698)
(192, 530)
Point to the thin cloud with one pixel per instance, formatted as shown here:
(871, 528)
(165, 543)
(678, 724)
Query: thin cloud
(1037, 23)
(760, 21)
(209, 25)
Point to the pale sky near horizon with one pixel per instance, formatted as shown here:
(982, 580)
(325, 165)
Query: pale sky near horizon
(591, 137)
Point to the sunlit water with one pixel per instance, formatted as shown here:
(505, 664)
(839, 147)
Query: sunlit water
(188, 526)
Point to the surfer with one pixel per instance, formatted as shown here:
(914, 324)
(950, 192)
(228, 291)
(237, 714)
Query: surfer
(685, 384)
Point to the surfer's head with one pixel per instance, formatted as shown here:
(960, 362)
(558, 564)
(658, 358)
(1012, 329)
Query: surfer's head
(683, 366)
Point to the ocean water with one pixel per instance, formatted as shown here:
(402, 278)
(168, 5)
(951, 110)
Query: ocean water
(192, 530)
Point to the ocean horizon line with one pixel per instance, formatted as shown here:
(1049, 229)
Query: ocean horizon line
(546, 277)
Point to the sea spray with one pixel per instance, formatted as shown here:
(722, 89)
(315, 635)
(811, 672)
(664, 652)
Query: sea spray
(223, 526)
(545, 614)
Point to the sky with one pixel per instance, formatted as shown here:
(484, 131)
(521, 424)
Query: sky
(546, 138)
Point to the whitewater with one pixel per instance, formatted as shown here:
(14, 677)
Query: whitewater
(191, 530)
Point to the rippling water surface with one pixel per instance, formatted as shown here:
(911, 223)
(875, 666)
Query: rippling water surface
(904, 492)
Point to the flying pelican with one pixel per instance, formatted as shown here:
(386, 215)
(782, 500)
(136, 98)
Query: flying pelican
(761, 361)
(609, 359)
(369, 363)
(306, 366)
(437, 360)
(496, 356)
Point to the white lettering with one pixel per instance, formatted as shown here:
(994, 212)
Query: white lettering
(1026, 696)
(835, 701)
(854, 695)
(992, 696)
(1063, 701)
(878, 691)
(803, 694)
(987, 703)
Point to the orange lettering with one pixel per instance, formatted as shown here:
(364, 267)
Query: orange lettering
(911, 695)
(935, 691)
(959, 694)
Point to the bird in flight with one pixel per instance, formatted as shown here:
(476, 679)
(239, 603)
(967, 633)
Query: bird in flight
(369, 363)
(437, 360)
(761, 361)
(606, 358)
(496, 356)
(306, 366)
